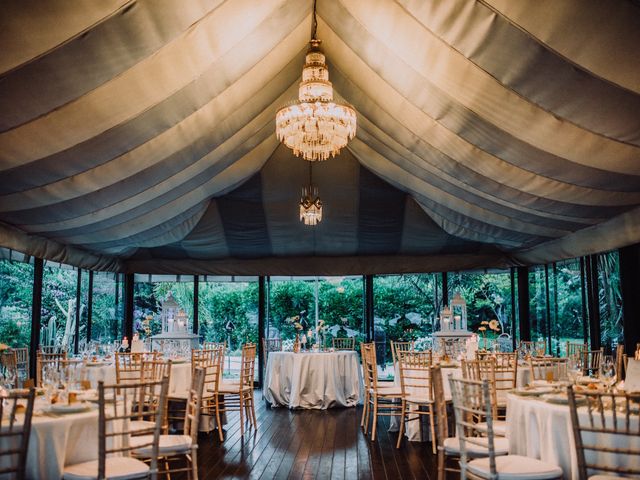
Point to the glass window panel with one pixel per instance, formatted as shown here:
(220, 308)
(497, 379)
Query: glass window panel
(107, 307)
(610, 298)
(567, 309)
(16, 291)
(228, 312)
(405, 309)
(59, 283)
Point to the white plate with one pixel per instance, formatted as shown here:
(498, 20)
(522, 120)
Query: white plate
(533, 391)
(544, 383)
(73, 408)
(96, 364)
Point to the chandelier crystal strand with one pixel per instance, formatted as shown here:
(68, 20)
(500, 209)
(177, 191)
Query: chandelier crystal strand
(310, 203)
(315, 127)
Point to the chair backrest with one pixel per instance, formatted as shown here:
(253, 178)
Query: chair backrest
(451, 347)
(606, 434)
(415, 373)
(472, 401)
(247, 365)
(506, 374)
(211, 362)
(399, 347)
(636, 355)
(346, 343)
(135, 401)
(591, 361)
(155, 371)
(45, 360)
(271, 345)
(363, 358)
(9, 362)
(213, 345)
(22, 361)
(49, 349)
(14, 432)
(369, 364)
(483, 370)
(575, 348)
(440, 405)
(194, 401)
(128, 367)
(550, 369)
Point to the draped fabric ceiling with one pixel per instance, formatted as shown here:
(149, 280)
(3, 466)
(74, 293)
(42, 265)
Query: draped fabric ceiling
(140, 135)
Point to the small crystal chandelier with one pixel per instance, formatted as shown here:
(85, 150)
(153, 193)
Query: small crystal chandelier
(310, 203)
(315, 127)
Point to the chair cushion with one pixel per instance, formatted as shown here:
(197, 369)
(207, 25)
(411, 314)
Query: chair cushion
(168, 444)
(516, 467)
(116, 468)
(500, 445)
(499, 427)
(391, 391)
(231, 387)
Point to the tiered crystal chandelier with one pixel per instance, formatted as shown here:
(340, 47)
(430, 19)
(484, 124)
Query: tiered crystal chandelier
(310, 203)
(315, 127)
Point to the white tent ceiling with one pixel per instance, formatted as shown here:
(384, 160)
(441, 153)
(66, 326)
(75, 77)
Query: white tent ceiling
(124, 126)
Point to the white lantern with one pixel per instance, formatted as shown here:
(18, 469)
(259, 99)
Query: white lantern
(459, 312)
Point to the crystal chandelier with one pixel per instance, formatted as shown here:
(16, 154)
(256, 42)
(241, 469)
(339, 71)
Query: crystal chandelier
(310, 203)
(315, 127)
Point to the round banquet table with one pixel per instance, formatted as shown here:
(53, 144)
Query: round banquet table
(315, 380)
(59, 440)
(543, 430)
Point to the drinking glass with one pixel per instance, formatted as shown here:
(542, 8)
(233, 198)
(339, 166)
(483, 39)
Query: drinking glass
(574, 368)
(607, 371)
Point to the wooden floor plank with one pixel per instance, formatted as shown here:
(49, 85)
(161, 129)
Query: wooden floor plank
(310, 444)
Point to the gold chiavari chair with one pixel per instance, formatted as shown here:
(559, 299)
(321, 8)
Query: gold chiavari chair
(128, 367)
(116, 447)
(346, 343)
(506, 376)
(22, 361)
(399, 347)
(575, 349)
(239, 396)
(471, 400)
(480, 370)
(14, 433)
(47, 360)
(270, 345)
(636, 355)
(154, 371)
(591, 362)
(416, 390)
(605, 435)
(451, 347)
(547, 369)
(447, 448)
(176, 447)
(210, 361)
(383, 400)
(222, 346)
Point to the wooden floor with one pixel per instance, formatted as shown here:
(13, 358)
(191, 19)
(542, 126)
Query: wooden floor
(311, 444)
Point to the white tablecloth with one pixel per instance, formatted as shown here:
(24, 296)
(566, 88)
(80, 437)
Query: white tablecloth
(543, 430)
(179, 382)
(313, 380)
(59, 441)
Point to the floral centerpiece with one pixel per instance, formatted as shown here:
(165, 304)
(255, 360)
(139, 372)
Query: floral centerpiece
(489, 330)
(295, 321)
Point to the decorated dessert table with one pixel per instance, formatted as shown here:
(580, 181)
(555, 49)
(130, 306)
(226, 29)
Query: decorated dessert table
(315, 380)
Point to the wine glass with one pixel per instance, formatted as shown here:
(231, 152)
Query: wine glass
(607, 371)
(574, 368)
